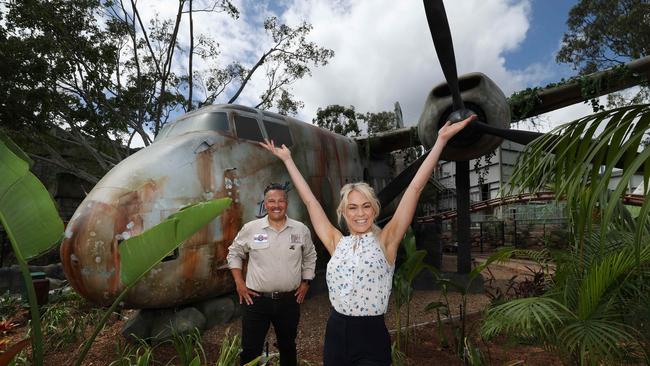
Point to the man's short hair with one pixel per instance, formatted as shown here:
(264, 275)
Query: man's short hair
(275, 187)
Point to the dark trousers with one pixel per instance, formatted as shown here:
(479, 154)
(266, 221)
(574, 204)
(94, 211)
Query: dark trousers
(356, 341)
(284, 314)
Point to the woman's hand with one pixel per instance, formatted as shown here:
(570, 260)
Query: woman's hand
(450, 130)
(283, 153)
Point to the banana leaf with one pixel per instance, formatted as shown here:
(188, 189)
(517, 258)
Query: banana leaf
(31, 221)
(27, 211)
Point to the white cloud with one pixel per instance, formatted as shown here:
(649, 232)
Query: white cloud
(384, 51)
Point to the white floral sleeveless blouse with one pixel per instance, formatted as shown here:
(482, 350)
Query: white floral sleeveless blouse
(359, 278)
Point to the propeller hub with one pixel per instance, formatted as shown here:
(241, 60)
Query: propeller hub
(481, 96)
(468, 136)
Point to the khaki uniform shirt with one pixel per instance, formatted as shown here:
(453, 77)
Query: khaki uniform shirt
(278, 260)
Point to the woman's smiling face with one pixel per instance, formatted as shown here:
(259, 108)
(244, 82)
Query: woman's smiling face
(358, 213)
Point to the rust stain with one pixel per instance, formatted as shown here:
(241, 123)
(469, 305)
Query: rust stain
(72, 268)
(204, 170)
(190, 263)
(128, 218)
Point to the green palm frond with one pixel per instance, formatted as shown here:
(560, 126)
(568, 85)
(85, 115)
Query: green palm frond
(598, 339)
(586, 153)
(605, 277)
(605, 274)
(532, 317)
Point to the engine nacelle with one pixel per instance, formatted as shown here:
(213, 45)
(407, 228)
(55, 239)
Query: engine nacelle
(482, 96)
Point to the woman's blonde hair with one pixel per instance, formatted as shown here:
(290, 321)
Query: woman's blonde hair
(367, 191)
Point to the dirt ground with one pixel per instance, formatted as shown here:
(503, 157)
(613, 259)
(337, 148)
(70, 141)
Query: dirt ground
(425, 349)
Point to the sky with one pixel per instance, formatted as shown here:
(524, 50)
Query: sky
(384, 52)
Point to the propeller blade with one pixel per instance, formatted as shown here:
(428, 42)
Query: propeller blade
(400, 182)
(518, 136)
(439, 28)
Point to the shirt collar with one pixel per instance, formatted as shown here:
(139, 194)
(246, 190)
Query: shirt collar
(287, 223)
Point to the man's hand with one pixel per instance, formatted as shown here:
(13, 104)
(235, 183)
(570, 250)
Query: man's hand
(245, 293)
(301, 292)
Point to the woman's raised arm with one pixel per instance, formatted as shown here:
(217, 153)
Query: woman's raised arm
(395, 229)
(327, 233)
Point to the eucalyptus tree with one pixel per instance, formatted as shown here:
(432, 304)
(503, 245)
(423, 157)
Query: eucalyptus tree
(338, 119)
(94, 74)
(607, 33)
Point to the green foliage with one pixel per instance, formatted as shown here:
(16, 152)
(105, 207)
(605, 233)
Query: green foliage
(411, 266)
(442, 306)
(287, 61)
(603, 34)
(580, 168)
(91, 74)
(338, 119)
(31, 221)
(379, 122)
(230, 349)
(139, 354)
(188, 347)
(604, 274)
(65, 320)
(472, 355)
(397, 356)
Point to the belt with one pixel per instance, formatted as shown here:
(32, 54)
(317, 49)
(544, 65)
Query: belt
(277, 295)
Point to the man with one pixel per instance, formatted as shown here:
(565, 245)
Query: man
(281, 264)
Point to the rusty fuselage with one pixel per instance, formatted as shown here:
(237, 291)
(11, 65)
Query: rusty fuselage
(206, 154)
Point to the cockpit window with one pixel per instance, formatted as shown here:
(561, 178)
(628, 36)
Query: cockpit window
(278, 132)
(247, 128)
(212, 121)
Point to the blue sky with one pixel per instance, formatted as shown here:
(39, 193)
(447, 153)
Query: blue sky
(547, 25)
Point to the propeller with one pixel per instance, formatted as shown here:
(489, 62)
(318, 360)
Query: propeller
(518, 136)
(469, 137)
(441, 34)
(482, 97)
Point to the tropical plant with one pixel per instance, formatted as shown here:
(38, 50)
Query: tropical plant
(230, 349)
(397, 356)
(65, 320)
(188, 347)
(139, 354)
(403, 278)
(606, 270)
(443, 304)
(23, 199)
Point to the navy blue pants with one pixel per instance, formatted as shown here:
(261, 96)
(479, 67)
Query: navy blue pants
(284, 314)
(356, 341)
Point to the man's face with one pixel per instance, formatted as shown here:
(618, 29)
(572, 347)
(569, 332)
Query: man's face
(275, 203)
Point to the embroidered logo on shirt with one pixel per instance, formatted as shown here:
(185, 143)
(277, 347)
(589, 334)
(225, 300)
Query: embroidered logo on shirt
(292, 247)
(260, 238)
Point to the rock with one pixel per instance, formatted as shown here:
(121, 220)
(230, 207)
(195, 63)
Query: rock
(55, 283)
(219, 310)
(139, 325)
(182, 321)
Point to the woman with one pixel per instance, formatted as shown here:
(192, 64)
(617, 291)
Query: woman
(360, 271)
